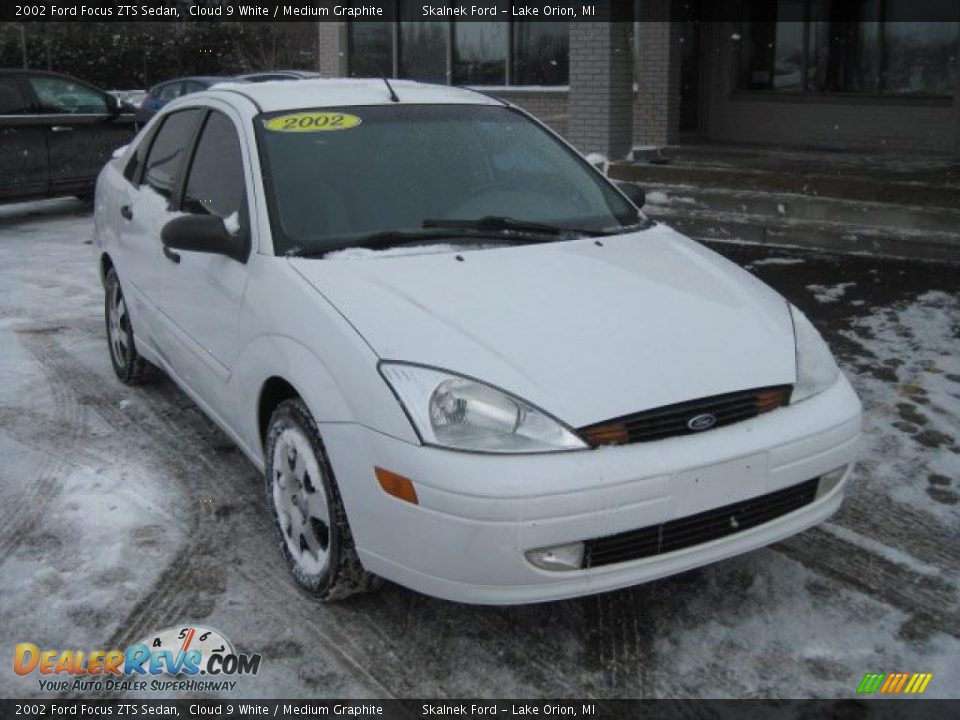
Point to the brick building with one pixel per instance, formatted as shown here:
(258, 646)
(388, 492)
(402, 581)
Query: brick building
(809, 73)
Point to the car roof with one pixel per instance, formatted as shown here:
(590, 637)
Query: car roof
(44, 73)
(303, 74)
(197, 78)
(278, 95)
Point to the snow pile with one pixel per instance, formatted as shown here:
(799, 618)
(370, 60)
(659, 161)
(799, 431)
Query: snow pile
(777, 261)
(232, 223)
(599, 161)
(830, 293)
(659, 197)
(362, 253)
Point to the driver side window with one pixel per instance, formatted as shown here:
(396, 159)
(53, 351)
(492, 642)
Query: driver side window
(168, 149)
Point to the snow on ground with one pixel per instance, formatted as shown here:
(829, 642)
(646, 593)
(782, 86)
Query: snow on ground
(829, 293)
(914, 433)
(777, 261)
(659, 197)
(124, 511)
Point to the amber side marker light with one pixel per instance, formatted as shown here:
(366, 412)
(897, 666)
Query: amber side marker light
(611, 434)
(396, 485)
(771, 399)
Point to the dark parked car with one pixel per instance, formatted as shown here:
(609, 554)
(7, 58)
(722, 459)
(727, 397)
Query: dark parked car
(162, 93)
(56, 133)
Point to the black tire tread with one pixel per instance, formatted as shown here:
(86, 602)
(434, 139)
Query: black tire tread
(346, 576)
(136, 370)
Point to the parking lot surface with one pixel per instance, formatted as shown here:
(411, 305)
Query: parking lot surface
(124, 511)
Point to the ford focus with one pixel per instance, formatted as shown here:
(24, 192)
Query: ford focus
(463, 359)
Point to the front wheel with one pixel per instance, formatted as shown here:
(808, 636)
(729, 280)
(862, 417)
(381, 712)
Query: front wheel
(310, 520)
(127, 363)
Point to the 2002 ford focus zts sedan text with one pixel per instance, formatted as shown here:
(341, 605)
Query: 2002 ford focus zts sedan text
(464, 359)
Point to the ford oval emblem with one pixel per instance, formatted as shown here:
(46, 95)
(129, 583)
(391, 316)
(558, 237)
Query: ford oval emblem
(702, 422)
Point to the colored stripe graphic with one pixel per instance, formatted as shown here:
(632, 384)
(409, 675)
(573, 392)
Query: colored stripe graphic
(894, 683)
(890, 682)
(870, 683)
(900, 683)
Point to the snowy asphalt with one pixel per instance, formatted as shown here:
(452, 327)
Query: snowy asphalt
(124, 511)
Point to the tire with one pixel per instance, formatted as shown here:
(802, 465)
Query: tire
(127, 363)
(309, 518)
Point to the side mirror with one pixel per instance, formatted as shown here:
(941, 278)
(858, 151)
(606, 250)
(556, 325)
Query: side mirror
(634, 193)
(203, 233)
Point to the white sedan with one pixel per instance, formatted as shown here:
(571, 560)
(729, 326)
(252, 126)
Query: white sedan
(463, 359)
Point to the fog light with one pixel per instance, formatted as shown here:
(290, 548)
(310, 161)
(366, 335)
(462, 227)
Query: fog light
(558, 557)
(828, 481)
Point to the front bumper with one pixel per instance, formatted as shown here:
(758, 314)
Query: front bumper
(478, 514)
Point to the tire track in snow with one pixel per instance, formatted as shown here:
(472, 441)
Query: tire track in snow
(620, 640)
(63, 429)
(196, 581)
(178, 438)
(930, 602)
(935, 544)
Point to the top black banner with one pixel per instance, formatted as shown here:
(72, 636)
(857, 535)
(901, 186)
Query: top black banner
(479, 11)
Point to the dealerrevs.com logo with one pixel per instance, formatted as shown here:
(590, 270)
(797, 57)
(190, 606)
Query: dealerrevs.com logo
(170, 660)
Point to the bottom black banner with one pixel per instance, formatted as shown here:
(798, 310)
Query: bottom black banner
(589, 709)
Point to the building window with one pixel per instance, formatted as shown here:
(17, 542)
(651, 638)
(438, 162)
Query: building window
(370, 49)
(423, 45)
(467, 53)
(820, 49)
(480, 53)
(541, 53)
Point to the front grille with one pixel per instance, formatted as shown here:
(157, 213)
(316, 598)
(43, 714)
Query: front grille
(672, 420)
(697, 529)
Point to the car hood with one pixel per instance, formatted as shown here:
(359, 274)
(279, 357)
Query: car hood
(586, 329)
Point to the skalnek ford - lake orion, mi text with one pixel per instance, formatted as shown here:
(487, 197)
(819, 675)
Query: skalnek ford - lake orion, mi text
(495, 709)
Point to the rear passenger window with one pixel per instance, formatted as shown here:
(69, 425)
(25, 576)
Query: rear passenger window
(215, 184)
(12, 101)
(168, 150)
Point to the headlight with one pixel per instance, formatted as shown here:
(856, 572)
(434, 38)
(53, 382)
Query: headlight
(816, 368)
(463, 414)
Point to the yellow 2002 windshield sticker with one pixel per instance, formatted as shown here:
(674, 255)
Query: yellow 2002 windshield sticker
(312, 122)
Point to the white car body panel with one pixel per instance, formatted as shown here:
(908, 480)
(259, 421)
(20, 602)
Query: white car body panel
(587, 330)
(652, 315)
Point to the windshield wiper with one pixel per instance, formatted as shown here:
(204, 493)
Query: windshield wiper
(499, 223)
(389, 238)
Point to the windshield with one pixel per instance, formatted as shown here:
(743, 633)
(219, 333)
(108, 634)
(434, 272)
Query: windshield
(337, 176)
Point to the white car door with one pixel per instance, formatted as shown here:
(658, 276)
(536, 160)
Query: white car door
(202, 292)
(143, 264)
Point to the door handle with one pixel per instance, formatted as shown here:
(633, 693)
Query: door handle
(127, 212)
(62, 128)
(171, 255)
